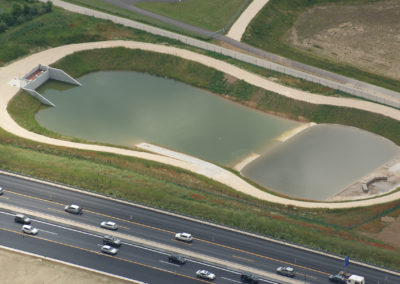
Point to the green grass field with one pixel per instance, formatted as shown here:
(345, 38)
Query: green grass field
(267, 30)
(59, 28)
(212, 15)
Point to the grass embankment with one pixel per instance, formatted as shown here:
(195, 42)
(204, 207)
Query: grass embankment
(212, 15)
(184, 192)
(131, 15)
(268, 29)
(204, 77)
(60, 27)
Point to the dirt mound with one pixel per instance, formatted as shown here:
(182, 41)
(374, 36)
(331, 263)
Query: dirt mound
(365, 36)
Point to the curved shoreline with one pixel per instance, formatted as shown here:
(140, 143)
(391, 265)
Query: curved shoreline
(50, 56)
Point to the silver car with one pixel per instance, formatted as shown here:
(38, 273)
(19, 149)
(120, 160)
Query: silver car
(204, 274)
(74, 209)
(109, 250)
(286, 271)
(184, 237)
(109, 225)
(28, 229)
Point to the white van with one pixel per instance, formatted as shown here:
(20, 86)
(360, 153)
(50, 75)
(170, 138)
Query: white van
(355, 279)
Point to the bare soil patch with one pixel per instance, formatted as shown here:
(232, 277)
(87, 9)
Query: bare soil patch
(19, 268)
(365, 36)
(389, 231)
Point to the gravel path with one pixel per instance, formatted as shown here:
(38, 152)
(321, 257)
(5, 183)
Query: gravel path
(24, 65)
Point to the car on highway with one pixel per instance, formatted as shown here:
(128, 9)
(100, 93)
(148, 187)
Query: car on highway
(286, 271)
(21, 218)
(111, 240)
(248, 278)
(28, 229)
(204, 274)
(109, 250)
(176, 259)
(110, 225)
(337, 278)
(74, 209)
(184, 237)
(1, 190)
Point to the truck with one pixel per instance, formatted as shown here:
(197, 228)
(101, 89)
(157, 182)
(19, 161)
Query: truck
(355, 279)
(346, 278)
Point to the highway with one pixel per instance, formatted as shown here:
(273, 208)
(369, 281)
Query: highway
(80, 246)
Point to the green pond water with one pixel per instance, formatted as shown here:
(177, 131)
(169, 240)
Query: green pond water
(321, 161)
(125, 108)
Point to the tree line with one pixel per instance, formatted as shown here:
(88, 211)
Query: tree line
(23, 11)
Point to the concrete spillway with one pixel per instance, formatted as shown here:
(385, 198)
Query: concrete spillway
(39, 75)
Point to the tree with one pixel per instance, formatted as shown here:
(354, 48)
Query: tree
(3, 26)
(16, 10)
(48, 6)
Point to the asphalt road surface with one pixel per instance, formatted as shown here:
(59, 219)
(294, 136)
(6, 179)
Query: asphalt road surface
(209, 240)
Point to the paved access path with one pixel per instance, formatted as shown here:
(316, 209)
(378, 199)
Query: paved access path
(47, 57)
(238, 28)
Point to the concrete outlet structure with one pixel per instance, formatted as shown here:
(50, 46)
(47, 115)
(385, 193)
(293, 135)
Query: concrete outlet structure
(39, 75)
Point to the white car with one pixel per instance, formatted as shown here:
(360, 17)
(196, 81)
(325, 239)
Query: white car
(1, 191)
(109, 250)
(109, 225)
(204, 274)
(28, 229)
(184, 237)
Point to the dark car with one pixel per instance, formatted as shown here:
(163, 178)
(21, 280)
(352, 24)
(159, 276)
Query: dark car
(248, 278)
(21, 218)
(74, 209)
(286, 271)
(337, 278)
(111, 241)
(176, 259)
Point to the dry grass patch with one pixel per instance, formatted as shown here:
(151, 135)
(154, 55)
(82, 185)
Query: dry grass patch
(364, 36)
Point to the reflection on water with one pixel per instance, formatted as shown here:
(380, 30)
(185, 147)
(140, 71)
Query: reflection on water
(321, 161)
(125, 108)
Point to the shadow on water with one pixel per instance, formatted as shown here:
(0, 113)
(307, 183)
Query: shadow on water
(55, 85)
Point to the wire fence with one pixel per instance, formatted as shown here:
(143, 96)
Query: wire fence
(355, 88)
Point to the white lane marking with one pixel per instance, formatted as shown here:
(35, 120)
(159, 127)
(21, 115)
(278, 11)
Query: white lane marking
(53, 233)
(129, 244)
(231, 280)
(167, 262)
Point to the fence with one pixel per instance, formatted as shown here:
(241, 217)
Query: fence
(325, 78)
